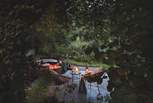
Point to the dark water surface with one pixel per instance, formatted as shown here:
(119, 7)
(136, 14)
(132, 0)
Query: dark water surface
(69, 92)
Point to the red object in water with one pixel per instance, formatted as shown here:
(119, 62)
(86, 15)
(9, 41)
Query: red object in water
(54, 66)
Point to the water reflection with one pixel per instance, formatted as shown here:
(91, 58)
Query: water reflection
(96, 93)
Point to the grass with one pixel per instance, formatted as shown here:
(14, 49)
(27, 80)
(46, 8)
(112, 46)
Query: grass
(90, 64)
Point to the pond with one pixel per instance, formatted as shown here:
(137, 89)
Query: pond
(68, 92)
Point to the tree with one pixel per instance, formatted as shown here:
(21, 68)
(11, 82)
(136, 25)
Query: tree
(16, 18)
(119, 30)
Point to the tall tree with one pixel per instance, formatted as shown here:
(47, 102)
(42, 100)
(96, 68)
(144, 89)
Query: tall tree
(16, 18)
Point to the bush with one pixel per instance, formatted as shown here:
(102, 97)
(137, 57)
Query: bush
(38, 92)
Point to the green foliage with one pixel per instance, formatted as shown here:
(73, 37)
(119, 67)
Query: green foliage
(89, 63)
(16, 40)
(38, 92)
(115, 32)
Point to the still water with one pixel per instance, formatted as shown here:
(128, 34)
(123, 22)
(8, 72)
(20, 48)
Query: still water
(96, 93)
